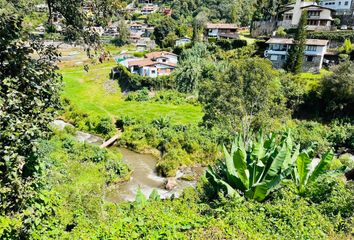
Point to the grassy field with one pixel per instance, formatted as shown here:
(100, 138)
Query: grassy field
(94, 94)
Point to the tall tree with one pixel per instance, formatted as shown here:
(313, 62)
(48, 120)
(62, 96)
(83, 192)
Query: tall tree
(338, 91)
(296, 54)
(242, 96)
(29, 100)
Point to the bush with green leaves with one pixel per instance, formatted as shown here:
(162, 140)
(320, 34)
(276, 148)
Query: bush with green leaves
(179, 145)
(253, 168)
(307, 171)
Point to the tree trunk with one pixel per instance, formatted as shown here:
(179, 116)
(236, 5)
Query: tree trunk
(50, 11)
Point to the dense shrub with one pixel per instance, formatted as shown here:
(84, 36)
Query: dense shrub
(129, 81)
(102, 126)
(231, 44)
(334, 35)
(179, 145)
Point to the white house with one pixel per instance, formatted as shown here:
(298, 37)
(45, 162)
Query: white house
(182, 41)
(154, 64)
(278, 51)
(222, 30)
(148, 9)
(342, 7)
(319, 18)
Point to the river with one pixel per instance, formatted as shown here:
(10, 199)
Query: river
(143, 175)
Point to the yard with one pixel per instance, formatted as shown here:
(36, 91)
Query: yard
(95, 94)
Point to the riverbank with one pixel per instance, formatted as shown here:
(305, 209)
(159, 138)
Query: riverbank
(143, 174)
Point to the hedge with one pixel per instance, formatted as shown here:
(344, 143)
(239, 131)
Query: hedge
(333, 35)
(231, 44)
(133, 82)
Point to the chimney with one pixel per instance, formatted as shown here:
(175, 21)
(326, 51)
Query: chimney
(296, 13)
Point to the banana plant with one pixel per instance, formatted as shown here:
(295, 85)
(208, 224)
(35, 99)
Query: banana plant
(253, 170)
(306, 171)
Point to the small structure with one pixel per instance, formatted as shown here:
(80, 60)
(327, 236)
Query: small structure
(163, 57)
(154, 64)
(41, 8)
(315, 50)
(222, 30)
(319, 18)
(146, 1)
(182, 41)
(145, 44)
(135, 27)
(166, 11)
(341, 7)
(148, 9)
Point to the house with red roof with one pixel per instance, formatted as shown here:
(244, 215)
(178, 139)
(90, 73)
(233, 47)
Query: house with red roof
(154, 64)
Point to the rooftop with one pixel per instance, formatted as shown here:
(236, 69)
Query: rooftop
(158, 54)
(316, 42)
(221, 26)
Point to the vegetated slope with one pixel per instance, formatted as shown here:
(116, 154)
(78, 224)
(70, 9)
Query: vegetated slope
(94, 94)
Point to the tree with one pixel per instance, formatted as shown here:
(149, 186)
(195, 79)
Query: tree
(338, 91)
(163, 29)
(243, 95)
(296, 54)
(347, 47)
(123, 33)
(192, 68)
(199, 23)
(29, 100)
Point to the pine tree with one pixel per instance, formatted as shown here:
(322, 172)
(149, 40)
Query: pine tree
(296, 54)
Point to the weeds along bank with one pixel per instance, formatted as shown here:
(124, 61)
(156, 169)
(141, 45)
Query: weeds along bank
(75, 206)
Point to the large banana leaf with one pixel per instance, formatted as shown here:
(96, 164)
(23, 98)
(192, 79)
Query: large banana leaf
(219, 183)
(302, 174)
(321, 166)
(239, 160)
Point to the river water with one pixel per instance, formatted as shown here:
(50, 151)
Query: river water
(143, 175)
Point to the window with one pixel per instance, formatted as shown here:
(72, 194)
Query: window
(311, 48)
(313, 13)
(309, 59)
(346, 3)
(288, 17)
(273, 57)
(153, 72)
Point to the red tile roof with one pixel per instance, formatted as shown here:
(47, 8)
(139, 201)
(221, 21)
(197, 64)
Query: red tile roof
(153, 55)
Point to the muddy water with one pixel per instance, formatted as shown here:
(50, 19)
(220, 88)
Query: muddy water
(144, 176)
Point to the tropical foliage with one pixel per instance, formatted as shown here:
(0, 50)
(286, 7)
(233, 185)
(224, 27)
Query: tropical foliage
(306, 171)
(253, 169)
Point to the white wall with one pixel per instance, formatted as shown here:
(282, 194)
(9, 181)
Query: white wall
(336, 4)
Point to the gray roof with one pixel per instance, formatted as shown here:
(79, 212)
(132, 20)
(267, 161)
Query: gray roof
(317, 42)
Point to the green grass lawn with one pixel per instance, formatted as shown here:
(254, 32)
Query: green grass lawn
(88, 92)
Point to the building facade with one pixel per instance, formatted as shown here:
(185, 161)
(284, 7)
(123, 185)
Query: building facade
(278, 52)
(154, 64)
(319, 18)
(342, 7)
(222, 30)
